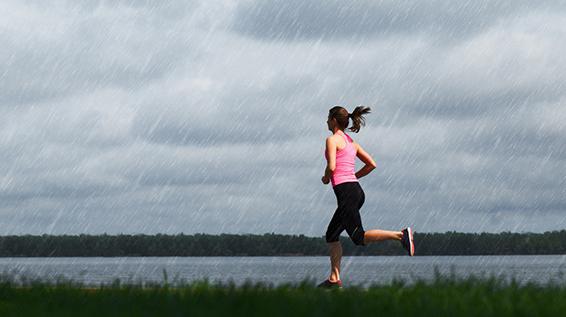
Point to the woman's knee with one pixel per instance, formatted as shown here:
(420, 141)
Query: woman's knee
(357, 236)
(332, 237)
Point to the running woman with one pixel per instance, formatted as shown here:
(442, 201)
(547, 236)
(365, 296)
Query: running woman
(341, 152)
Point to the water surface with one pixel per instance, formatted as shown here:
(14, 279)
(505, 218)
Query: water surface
(359, 270)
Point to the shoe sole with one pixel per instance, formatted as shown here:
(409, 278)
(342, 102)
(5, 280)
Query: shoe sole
(411, 243)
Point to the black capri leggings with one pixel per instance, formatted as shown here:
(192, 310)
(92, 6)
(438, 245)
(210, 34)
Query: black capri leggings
(350, 197)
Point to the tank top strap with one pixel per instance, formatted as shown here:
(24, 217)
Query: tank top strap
(345, 138)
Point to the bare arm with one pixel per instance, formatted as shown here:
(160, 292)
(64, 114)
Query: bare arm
(367, 159)
(331, 161)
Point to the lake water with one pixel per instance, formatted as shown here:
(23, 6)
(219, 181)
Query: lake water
(356, 270)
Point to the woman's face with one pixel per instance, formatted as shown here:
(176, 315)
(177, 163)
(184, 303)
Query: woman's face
(330, 123)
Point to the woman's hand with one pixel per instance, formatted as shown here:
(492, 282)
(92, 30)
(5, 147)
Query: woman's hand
(325, 179)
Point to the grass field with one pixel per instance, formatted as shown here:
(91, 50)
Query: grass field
(444, 296)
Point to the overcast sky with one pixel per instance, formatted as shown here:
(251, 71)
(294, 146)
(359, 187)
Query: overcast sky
(210, 117)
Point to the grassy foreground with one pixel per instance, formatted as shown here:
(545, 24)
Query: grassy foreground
(444, 296)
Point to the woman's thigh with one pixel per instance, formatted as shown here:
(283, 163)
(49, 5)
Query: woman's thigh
(350, 197)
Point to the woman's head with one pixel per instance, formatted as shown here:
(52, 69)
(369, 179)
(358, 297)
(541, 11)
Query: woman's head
(339, 117)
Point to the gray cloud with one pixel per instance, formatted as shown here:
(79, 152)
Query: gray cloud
(150, 117)
(253, 120)
(336, 20)
(89, 46)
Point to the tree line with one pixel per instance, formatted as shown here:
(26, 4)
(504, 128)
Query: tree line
(271, 244)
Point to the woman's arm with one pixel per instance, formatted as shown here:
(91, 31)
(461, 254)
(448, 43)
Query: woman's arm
(366, 158)
(327, 172)
(331, 158)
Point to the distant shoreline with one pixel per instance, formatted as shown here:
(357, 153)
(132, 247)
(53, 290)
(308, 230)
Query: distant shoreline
(271, 244)
(259, 256)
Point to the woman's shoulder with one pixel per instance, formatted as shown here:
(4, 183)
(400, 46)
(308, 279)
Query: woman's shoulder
(330, 138)
(333, 138)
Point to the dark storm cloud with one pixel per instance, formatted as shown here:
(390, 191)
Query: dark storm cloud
(71, 188)
(289, 20)
(238, 113)
(237, 126)
(518, 141)
(441, 102)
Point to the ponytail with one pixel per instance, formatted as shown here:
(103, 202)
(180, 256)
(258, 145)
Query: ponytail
(357, 118)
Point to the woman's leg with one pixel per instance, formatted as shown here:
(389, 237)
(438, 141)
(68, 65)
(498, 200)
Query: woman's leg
(335, 249)
(379, 235)
(370, 236)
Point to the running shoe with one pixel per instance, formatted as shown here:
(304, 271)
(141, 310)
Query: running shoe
(328, 284)
(407, 241)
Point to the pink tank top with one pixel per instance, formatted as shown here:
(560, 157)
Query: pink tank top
(345, 163)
